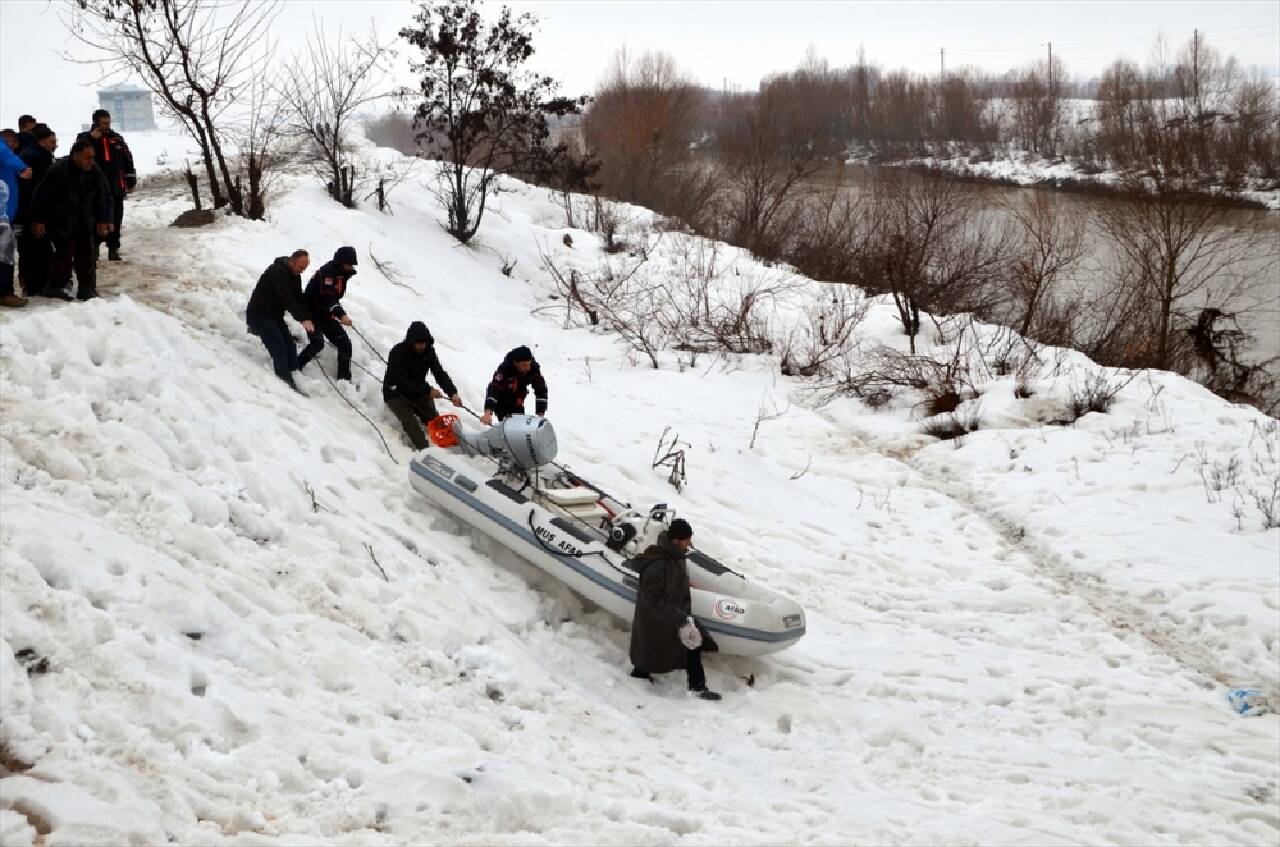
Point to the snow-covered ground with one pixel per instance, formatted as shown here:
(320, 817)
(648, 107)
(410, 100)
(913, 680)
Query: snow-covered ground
(1023, 639)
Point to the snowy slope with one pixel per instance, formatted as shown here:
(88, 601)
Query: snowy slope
(1025, 640)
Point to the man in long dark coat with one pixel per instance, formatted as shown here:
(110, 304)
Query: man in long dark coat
(664, 636)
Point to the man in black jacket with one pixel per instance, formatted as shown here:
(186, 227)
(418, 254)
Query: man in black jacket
(279, 289)
(117, 164)
(35, 255)
(25, 137)
(510, 384)
(664, 636)
(405, 389)
(70, 207)
(324, 300)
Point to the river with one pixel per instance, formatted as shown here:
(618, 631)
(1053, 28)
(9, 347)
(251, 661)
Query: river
(1255, 232)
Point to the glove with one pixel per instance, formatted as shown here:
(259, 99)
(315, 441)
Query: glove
(689, 635)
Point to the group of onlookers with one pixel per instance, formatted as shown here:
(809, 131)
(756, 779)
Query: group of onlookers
(56, 213)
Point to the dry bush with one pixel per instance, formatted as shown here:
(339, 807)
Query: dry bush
(1096, 391)
(1177, 253)
(932, 248)
(942, 384)
(712, 306)
(1049, 245)
(825, 335)
(769, 146)
(954, 425)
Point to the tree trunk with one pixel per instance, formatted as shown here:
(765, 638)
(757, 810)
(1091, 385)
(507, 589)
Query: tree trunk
(195, 188)
(236, 199)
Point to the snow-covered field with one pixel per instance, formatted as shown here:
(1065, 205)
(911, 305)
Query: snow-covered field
(1023, 639)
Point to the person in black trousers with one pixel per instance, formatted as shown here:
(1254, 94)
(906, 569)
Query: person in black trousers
(70, 207)
(279, 290)
(664, 636)
(324, 301)
(117, 165)
(405, 389)
(35, 255)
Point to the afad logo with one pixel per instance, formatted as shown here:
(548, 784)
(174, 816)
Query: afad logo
(728, 610)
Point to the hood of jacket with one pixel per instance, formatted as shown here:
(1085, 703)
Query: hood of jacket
(418, 332)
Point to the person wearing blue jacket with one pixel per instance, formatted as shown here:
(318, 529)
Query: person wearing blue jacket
(12, 169)
(324, 300)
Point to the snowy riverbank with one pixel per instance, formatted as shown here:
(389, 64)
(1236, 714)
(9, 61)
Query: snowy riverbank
(1026, 638)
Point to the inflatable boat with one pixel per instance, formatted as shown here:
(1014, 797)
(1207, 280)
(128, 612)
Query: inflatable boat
(503, 482)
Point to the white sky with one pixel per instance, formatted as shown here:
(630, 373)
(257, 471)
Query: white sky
(738, 42)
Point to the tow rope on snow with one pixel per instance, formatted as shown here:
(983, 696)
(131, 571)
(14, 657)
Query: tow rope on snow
(381, 438)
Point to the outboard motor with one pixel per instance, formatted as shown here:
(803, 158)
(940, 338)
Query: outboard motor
(620, 534)
(527, 441)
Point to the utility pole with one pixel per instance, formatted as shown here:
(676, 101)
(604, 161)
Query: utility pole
(1195, 70)
(942, 63)
(1050, 70)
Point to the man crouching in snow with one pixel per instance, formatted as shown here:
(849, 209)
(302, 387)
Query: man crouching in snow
(405, 389)
(664, 636)
(279, 290)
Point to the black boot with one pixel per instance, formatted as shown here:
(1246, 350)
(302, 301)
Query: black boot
(704, 693)
(639, 674)
(344, 371)
(113, 254)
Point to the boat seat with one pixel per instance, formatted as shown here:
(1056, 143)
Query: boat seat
(572, 496)
(589, 512)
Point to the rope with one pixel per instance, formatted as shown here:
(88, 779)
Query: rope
(332, 385)
(367, 343)
(556, 552)
(473, 414)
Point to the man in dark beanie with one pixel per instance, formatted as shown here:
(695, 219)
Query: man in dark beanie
(664, 636)
(405, 389)
(510, 384)
(324, 301)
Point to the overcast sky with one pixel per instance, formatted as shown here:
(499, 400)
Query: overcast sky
(735, 42)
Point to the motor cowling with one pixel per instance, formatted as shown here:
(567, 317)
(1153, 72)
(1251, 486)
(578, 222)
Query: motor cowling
(525, 440)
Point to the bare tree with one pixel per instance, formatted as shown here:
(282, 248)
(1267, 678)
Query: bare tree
(324, 86)
(1203, 80)
(830, 235)
(769, 148)
(933, 248)
(1183, 252)
(824, 337)
(1038, 106)
(641, 124)
(195, 55)
(1049, 247)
